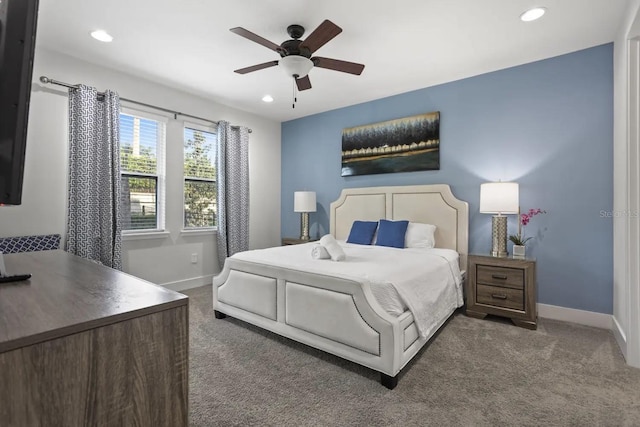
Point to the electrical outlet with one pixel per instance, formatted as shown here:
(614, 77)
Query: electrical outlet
(194, 258)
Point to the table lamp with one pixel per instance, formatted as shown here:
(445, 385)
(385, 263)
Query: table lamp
(304, 202)
(499, 198)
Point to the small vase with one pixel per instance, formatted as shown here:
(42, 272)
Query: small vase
(518, 251)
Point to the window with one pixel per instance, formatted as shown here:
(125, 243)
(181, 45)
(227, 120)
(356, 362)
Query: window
(200, 188)
(142, 141)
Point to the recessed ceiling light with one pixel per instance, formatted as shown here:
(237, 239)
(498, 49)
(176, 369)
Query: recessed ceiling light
(101, 35)
(267, 98)
(533, 14)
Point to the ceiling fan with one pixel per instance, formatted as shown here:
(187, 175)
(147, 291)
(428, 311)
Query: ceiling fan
(296, 54)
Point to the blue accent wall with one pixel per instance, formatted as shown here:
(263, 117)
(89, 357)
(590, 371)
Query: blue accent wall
(547, 125)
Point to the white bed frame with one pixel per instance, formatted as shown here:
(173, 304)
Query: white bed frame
(337, 315)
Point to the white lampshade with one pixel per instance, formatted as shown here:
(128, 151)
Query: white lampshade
(295, 65)
(304, 201)
(499, 198)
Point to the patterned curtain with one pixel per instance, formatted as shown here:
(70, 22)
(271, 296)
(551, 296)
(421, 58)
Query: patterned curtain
(233, 190)
(93, 211)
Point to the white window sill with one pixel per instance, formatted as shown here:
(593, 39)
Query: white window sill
(188, 232)
(144, 235)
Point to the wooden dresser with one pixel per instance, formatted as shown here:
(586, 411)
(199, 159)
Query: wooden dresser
(85, 345)
(503, 287)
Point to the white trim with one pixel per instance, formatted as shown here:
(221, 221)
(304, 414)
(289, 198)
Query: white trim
(148, 235)
(619, 335)
(161, 170)
(200, 125)
(194, 282)
(188, 232)
(632, 348)
(626, 274)
(581, 317)
(145, 113)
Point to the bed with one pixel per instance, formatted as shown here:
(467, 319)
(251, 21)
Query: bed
(340, 314)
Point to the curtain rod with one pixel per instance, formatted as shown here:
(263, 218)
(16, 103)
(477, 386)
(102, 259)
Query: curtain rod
(47, 80)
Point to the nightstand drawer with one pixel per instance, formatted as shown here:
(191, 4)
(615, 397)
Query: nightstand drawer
(500, 296)
(500, 276)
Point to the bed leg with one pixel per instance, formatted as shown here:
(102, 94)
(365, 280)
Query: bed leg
(388, 382)
(219, 315)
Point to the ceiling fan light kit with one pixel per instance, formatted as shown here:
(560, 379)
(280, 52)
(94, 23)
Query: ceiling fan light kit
(296, 66)
(296, 59)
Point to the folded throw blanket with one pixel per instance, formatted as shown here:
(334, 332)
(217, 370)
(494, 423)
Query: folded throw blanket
(319, 252)
(333, 247)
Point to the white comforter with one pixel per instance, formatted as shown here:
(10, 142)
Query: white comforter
(426, 281)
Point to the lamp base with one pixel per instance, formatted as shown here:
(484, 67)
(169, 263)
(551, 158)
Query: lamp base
(499, 236)
(304, 226)
(499, 254)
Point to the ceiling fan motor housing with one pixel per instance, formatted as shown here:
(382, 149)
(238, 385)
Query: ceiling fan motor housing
(292, 47)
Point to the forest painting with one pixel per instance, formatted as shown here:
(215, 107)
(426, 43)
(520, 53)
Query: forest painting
(401, 145)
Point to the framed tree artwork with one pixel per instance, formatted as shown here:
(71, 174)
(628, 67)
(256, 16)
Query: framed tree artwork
(401, 145)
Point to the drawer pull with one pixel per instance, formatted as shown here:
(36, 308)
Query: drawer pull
(499, 276)
(499, 296)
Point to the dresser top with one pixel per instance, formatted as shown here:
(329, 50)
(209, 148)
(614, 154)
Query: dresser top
(496, 259)
(67, 294)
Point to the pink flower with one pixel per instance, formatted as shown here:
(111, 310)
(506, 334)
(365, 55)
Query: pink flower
(519, 239)
(526, 217)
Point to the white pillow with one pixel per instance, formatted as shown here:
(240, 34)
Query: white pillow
(420, 235)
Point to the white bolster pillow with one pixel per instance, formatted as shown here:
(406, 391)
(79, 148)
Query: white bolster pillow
(332, 246)
(319, 252)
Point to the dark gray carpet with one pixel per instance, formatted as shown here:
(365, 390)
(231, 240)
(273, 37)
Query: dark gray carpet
(474, 373)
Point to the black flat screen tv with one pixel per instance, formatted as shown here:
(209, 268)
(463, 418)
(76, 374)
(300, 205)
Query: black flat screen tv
(18, 21)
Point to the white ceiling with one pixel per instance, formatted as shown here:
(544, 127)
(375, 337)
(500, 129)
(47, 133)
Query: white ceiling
(404, 44)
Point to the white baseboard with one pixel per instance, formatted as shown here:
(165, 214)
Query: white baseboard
(581, 317)
(619, 335)
(194, 282)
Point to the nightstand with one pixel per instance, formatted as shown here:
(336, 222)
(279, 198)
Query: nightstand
(503, 287)
(295, 241)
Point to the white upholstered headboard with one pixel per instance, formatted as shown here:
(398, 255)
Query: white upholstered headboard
(430, 204)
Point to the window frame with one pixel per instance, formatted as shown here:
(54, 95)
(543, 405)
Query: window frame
(160, 175)
(202, 128)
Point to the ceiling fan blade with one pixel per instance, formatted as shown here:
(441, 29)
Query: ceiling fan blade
(255, 38)
(303, 83)
(256, 67)
(338, 65)
(321, 35)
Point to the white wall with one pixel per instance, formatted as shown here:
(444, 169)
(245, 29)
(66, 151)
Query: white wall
(165, 260)
(626, 310)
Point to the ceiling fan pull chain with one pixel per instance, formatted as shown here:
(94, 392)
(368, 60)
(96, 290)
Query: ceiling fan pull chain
(295, 98)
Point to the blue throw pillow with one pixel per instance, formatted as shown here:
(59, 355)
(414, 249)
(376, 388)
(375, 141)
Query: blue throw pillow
(362, 232)
(391, 233)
